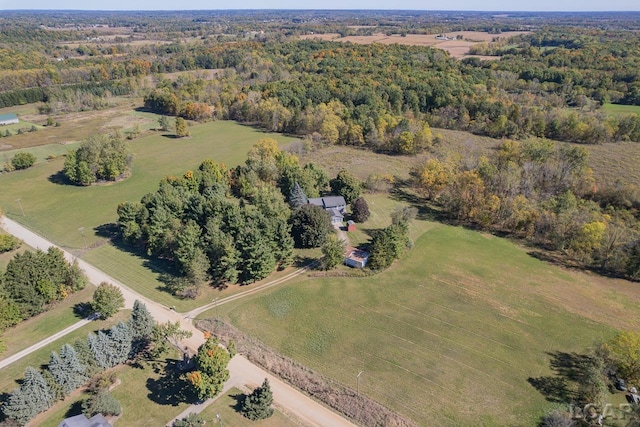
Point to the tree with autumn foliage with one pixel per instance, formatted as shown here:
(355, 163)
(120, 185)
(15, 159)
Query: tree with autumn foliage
(211, 369)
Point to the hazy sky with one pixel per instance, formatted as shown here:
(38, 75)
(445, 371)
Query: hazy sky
(490, 5)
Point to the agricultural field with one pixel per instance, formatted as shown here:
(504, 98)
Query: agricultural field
(78, 218)
(451, 333)
(456, 48)
(618, 109)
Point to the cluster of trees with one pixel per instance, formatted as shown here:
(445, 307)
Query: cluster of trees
(76, 364)
(589, 378)
(225, 225)
(33, 281)
(99, 158)
(544, 192)
(388, 244)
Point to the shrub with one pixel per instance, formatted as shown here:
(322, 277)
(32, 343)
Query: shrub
(102, 403)
(23, 160)
(8, 243)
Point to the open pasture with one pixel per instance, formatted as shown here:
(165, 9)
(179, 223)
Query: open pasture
(450, 334)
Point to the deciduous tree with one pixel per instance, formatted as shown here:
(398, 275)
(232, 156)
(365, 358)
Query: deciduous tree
(107, 300)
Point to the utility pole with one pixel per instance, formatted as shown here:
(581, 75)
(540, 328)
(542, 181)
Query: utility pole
(358, 383)
(20, 204)
(81, 230)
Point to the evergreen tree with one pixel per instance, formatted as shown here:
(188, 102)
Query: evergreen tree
(257, 258)
(31, 398)
(18, 406)
(310, 226)
(66, 369)
(297, 198)
(141, 325)
(257, 405)
(117, 344)
(97, 347)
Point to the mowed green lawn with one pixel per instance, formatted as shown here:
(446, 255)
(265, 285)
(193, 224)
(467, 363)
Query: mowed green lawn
(616, 109)
(226, 408)
(450, 334)
(70, 216)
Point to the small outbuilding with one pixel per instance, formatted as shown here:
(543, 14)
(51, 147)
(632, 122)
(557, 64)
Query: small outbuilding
(8, 119)
(351, 226)
(82, 421)
(356, 258)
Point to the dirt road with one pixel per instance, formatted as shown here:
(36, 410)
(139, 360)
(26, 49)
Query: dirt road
(241, 370)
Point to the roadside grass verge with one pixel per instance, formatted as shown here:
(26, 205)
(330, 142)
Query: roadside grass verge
(464, 318)
(10, 374)
(33, 330)
(228, 406)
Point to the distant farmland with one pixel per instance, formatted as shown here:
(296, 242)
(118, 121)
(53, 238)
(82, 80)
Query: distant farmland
(457, 48)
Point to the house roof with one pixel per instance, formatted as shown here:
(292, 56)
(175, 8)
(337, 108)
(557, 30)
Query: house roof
(82, 421)
(10, 116)
(357, 254)
(334, 212)
(328, 202)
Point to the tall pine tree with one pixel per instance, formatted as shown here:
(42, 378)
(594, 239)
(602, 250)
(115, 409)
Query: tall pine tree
(257, 405)
(66, 369)
(31, 398)
(297, 198)
(141, 326)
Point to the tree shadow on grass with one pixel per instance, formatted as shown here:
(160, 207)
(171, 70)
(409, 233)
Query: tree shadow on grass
(74, 409)
(570, 370)
(239, 402)
(164, 270)
(82, 310)
(171, 389)
(60, 178)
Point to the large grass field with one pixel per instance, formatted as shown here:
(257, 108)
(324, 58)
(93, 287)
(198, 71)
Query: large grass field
(617, 109)
(72, 216)
(450, 334)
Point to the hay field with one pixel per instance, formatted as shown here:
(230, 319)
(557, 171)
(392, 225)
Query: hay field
(457, 48)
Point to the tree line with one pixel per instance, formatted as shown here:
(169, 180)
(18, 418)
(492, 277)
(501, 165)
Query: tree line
(543, 192)
(34, 281)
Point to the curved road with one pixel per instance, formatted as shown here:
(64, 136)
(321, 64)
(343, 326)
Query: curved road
(241, 370)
